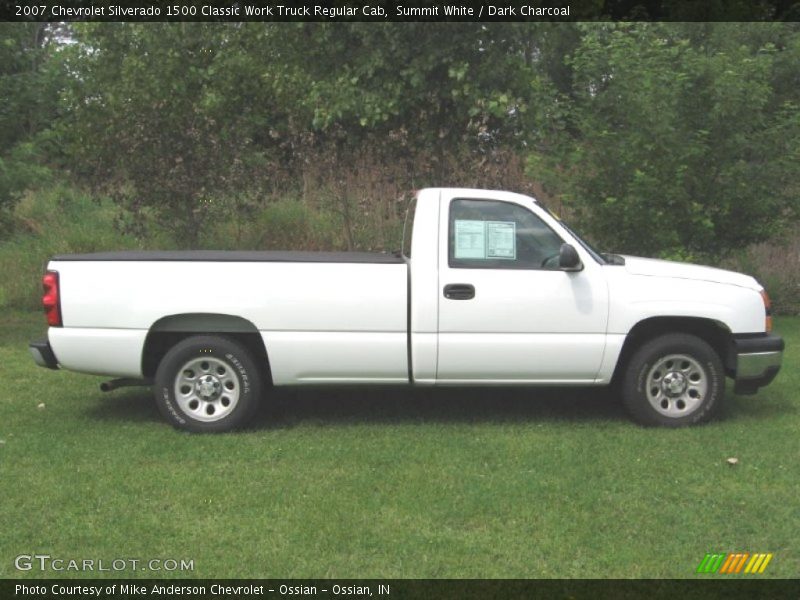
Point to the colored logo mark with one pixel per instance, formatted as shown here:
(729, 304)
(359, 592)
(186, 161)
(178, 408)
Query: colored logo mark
(734, 562)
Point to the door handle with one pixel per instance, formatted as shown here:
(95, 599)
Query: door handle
(459, 291)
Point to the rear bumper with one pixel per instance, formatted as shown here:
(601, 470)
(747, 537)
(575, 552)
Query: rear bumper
(43, 354)
(758, 360)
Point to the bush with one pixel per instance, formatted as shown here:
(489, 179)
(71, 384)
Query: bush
(283, 223)
(776, 265)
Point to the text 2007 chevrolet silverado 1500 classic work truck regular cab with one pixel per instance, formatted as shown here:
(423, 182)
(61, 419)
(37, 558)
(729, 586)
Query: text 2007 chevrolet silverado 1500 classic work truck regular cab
(491, 289)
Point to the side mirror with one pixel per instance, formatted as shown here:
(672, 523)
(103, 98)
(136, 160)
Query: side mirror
(568, 259)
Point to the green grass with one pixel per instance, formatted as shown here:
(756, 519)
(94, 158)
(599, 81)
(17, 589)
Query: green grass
(439, 484)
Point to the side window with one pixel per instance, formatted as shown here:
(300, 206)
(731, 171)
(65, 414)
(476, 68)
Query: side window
(489, 234)
(408, 227)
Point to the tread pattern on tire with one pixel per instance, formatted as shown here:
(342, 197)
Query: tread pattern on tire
(222, 347)
(633, 392)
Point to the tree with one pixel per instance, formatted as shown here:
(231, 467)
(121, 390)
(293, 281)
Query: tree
(29, 86)
(442, 85)
(170, 118)
(668, 138)
(678, 138)
(164, 118)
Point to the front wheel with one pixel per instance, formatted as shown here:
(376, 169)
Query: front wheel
(207, 384)
(674, 380)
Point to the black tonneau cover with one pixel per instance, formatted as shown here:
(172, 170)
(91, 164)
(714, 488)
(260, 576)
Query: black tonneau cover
(235, 256)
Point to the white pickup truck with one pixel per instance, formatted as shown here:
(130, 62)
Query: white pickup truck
(490, 289)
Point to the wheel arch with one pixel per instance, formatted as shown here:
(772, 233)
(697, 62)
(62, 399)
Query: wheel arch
(171, 329)
(715, 333)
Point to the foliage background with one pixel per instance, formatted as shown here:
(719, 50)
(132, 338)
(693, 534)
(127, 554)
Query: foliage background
(677, 140)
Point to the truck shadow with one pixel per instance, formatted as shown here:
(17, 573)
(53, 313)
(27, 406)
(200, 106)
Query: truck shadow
(287, 408)
(134, 405)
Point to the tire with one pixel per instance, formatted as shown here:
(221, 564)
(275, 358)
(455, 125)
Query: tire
(674, 380)
(207, 383)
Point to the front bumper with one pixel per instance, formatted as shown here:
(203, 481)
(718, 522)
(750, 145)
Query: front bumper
(43, 354)
(758, 360)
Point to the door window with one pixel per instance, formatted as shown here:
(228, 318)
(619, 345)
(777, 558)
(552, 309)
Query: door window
(489, 234)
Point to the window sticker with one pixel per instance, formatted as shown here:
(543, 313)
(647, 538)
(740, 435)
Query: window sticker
(470, 239)
(501, 239)
(485, 239)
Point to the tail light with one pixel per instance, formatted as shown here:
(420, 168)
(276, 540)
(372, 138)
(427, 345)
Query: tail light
(767, 311)
(51, 300)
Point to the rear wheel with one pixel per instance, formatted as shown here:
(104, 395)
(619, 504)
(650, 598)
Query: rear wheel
(207, 384)
(674, 380)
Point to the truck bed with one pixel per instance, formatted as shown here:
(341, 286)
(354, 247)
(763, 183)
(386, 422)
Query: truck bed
(325, 316)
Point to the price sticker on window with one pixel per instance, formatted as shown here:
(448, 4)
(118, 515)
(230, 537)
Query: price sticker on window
(485, 239)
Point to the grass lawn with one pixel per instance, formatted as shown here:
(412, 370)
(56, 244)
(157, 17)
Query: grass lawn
(397, 483)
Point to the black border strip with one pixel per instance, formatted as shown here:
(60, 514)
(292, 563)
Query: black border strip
(388, 10)
(708, 588)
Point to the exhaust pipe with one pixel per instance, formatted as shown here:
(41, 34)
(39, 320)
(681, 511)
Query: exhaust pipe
(107, 386)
